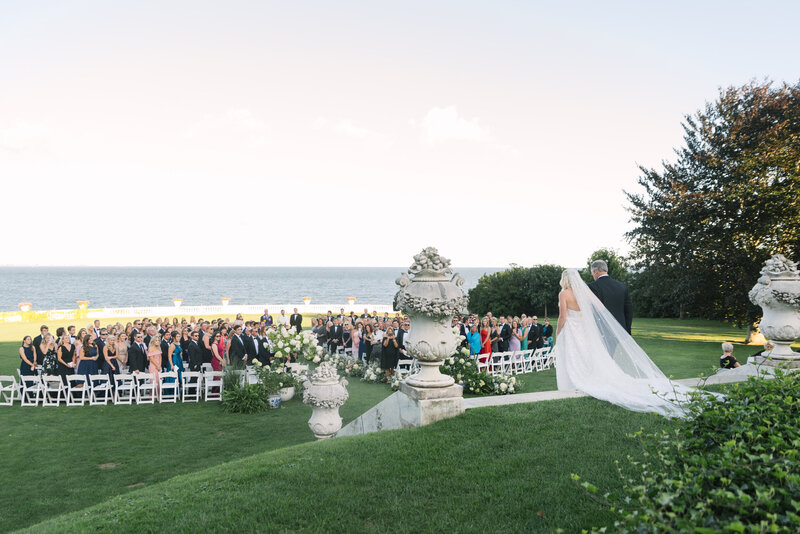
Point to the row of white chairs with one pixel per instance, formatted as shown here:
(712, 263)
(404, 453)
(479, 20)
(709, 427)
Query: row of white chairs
(142, 388)
(517, 362)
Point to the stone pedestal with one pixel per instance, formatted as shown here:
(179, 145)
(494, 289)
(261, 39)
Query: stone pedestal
(778, 294)
(410, 407)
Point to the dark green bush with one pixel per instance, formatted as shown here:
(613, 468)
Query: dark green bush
(733, 466)
(249, 398)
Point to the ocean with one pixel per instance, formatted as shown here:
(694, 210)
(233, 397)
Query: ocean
(56, 288)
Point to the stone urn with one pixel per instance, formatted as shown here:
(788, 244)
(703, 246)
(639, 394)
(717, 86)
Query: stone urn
(325, 392)
(778, 294)
(430, 297)
(287, 394)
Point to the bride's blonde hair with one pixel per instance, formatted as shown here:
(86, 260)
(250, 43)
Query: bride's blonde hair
(564, 283)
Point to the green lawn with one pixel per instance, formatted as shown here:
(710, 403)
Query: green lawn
(513, 459)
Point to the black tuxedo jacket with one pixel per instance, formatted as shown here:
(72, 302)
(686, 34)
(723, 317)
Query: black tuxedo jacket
(250, 348)
(236, 350)
(166, 361)
(100, 357)
(38, 351)
(335, 336)
(147, 339)
(137, 358)
(505, 335)
(615, 297)
(296, 320)
(195, 356)
(535, 340)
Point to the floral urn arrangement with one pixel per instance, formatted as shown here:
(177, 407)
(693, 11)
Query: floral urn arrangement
(430, 296)
(351, 300)
(225, 301)
(325, 393)
(778, 294)
(177, 302)
(25, 306)
(306, 300)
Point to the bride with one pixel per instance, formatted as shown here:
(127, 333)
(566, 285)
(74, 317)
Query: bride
(596, 355)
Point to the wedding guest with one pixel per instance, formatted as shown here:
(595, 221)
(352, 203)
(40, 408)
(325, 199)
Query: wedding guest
(87, 364)
(296, 320)
(266, 318)
(335, 338)
(516, 337)
(49, 360)
(185, 339)
(727, 360)
(401, 336)
(65, 354)
(122, 349)
(486, 342)
(283, 320)
(390, 353)
(166, 341)
(495, 336)
(27, 355)
(347, 336)
(218, 356)
(154, 357)
(766, 351)
(320, 332)
(71, 332)
(137, 354)
(355, 336)
(547, 332)
(100, 343)
(37, 344)
(474, 340)
(526, 327)
(175, 355)
(365, 349)
(237, 349)
(111, 363)
(377, 344)
(505, 334)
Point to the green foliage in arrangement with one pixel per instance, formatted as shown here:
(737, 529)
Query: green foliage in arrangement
(706, 223)
(732, 466)
(464, 370)
(247, 398)
(517, 290)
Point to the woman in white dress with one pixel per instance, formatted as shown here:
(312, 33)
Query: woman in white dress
(595, 354)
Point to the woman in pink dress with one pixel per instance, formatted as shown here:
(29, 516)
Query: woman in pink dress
(356, 337)
(217, 351)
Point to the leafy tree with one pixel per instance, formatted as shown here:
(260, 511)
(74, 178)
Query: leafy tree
(517, 290)
(617, 265)
(706, 223)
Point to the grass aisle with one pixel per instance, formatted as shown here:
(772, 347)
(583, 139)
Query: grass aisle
(491, 470)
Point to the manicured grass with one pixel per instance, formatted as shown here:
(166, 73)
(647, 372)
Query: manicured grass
(491, 470)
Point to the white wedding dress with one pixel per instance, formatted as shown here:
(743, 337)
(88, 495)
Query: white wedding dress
(594, 354)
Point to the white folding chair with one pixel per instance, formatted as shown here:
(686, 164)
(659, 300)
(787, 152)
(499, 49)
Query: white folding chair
(213, 380)
(168, 386)
(77, 390)
(206, 368)
(30, 389)
(548, 358)
(251, 376)
(145, 388)
(100, 391)
(53, 390)
(522, 363)
(297, 368)
(348, 353)
(483, 365)
(403, 367)
(8, 390)
(192, 386)
(124, 389)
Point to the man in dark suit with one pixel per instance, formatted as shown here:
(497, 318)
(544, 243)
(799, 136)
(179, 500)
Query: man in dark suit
(195, 353)
(237, 350)
(250, 341)
(166, 361)
(137, 354)
(296, 320)
(505, 334)
(613, 294)
(401, 336)
(100, 343)
(535, 340)
(335, 336)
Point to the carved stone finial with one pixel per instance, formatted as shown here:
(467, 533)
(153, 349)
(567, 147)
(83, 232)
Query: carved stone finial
(429, 262)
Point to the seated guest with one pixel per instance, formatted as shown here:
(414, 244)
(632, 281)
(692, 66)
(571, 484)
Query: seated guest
(474, 339)
(727, 360)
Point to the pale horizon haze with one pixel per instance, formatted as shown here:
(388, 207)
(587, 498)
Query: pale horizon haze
(352, 133)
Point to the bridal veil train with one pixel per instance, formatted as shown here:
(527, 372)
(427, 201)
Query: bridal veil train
(595, 354)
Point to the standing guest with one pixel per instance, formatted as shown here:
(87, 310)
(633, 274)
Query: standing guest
(283, 319)
(217, 356)
(122, 349)
(236, 350)
(28, 356)
(87, 364)
(296, 320)
(137, 354)
(366, 314)
(526, 327)
(495, 336)
(356, 337)
(154, 358)
(96, 328)
(176, 358)
(111, 363)
(252, 345)
(377, 344)
(266, 318)
(185, 339)
(166, 360)
(37, 344)
(149, 333)
(100, 343)
(516, 337)
(195, 355)
(336, 336)
(535, 340)
(547, 332)
(347, 336)
(224, 344)
(66, 358)
(49, 360)
(390, 353)
(505, 334)
(320, 332)
(727, 360)
(486, 342)
(474, 340)
(401, 336)
(71, 332)
(365, 349)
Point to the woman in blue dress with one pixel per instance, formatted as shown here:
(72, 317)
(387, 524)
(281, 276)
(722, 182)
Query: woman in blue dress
(87, 360)
(26, 353)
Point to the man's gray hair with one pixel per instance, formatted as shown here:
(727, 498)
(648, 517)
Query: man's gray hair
(727, 347)
(600, 266)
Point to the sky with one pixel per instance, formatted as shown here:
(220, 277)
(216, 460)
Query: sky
(353, 133)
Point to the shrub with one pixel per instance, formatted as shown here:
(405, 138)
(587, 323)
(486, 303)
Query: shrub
(249, 398)
(733, 465)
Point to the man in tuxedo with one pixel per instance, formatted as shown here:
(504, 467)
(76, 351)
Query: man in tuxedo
(335, 336)
(96, 328)
(195, 353)
(237, 349)
(296, 320)
(613, 294)
(166, 361)
(535, 339)
(366, 314)
(251, 344)
(151, 331)
(100, 343)
(37, 342)
(505, 334)
(137, 354)
(71, 332)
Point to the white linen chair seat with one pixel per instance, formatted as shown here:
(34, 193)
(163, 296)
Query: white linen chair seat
(8, 390)
(192, 386)
(53, 391)
(30, 388)
(77, 390)
(213, 380)
(169, 389)
(100, 391)
(146, 388)
(125, 389)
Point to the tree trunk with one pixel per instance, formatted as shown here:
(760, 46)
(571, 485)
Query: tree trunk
(750, 330)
